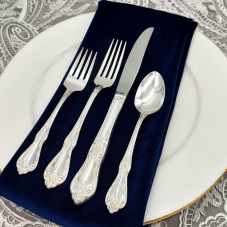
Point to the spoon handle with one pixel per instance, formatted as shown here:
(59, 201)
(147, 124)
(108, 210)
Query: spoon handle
(116, 196)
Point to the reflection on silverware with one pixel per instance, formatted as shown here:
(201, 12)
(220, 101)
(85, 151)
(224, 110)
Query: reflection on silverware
(57, 170)
(84, 184)
(76, 80)
(149, 99)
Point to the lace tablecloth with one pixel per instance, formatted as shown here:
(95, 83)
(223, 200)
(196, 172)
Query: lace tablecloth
(22, 20)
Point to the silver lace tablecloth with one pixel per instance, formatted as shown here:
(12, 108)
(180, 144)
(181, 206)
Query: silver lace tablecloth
(22, 20)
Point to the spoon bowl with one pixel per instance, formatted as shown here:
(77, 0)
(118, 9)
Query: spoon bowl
(150, 94)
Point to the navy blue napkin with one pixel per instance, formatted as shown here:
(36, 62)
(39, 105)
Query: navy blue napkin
(166, 53)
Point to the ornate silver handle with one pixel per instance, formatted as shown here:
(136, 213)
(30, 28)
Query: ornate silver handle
(57, 170)
(28, 161)
(84, 184)
(116, 196)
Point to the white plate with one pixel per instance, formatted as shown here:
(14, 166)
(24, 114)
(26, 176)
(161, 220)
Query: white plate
(195, 150)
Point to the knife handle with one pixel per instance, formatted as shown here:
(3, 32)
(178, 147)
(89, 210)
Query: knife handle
(84, 184)
(29, 159)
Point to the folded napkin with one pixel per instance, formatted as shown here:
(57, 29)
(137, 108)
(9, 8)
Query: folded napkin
(166, 53)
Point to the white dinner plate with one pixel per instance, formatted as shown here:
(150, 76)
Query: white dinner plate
(195, 150)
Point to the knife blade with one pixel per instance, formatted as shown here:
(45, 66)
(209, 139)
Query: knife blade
(134, 61)
(84, 184)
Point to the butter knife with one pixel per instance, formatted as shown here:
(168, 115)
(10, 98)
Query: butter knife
(84, 184)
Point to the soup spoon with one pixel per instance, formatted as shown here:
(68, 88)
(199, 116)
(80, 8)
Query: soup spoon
(149, 99)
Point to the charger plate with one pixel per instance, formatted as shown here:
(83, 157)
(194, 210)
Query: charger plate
(195, 150)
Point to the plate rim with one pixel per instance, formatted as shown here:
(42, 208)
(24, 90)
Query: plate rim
(186, 206)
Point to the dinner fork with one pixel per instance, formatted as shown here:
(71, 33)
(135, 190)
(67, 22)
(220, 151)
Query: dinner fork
(76, 80)
(57, 170)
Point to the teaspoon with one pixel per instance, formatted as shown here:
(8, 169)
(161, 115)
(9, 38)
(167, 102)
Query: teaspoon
(149, 99)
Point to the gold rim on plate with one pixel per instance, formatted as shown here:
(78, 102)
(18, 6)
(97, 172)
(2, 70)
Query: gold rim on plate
(175, 212)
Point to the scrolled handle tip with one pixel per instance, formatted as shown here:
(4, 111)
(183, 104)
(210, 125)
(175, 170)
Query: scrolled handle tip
(52, 178)
(22, 170)
(29, 159)
(57, 170)
(51, 181)
(78, 200)
(114, 204)
(116, 197)
(79, 193)
(24, 167)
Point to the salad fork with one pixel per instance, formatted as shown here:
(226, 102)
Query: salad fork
(76, 80)
(57, 170)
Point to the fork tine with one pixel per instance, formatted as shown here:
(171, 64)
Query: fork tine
(91, 67)
(119, 62)
(75, 63)
(115, 61)
(85, 67)
(105, 59)
(110, 60)
(80, 65)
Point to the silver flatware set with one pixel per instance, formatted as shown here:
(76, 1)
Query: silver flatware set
(148, 100)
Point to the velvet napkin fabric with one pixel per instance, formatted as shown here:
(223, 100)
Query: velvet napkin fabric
(166, 53)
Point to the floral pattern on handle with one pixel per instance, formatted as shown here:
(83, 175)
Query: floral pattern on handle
(57, 170)
(84, 184)
(116, 197)
(28, 161)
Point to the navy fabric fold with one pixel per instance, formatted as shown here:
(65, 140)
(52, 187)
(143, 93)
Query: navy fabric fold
(166, 53)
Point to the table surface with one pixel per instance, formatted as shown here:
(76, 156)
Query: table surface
(211, 15)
